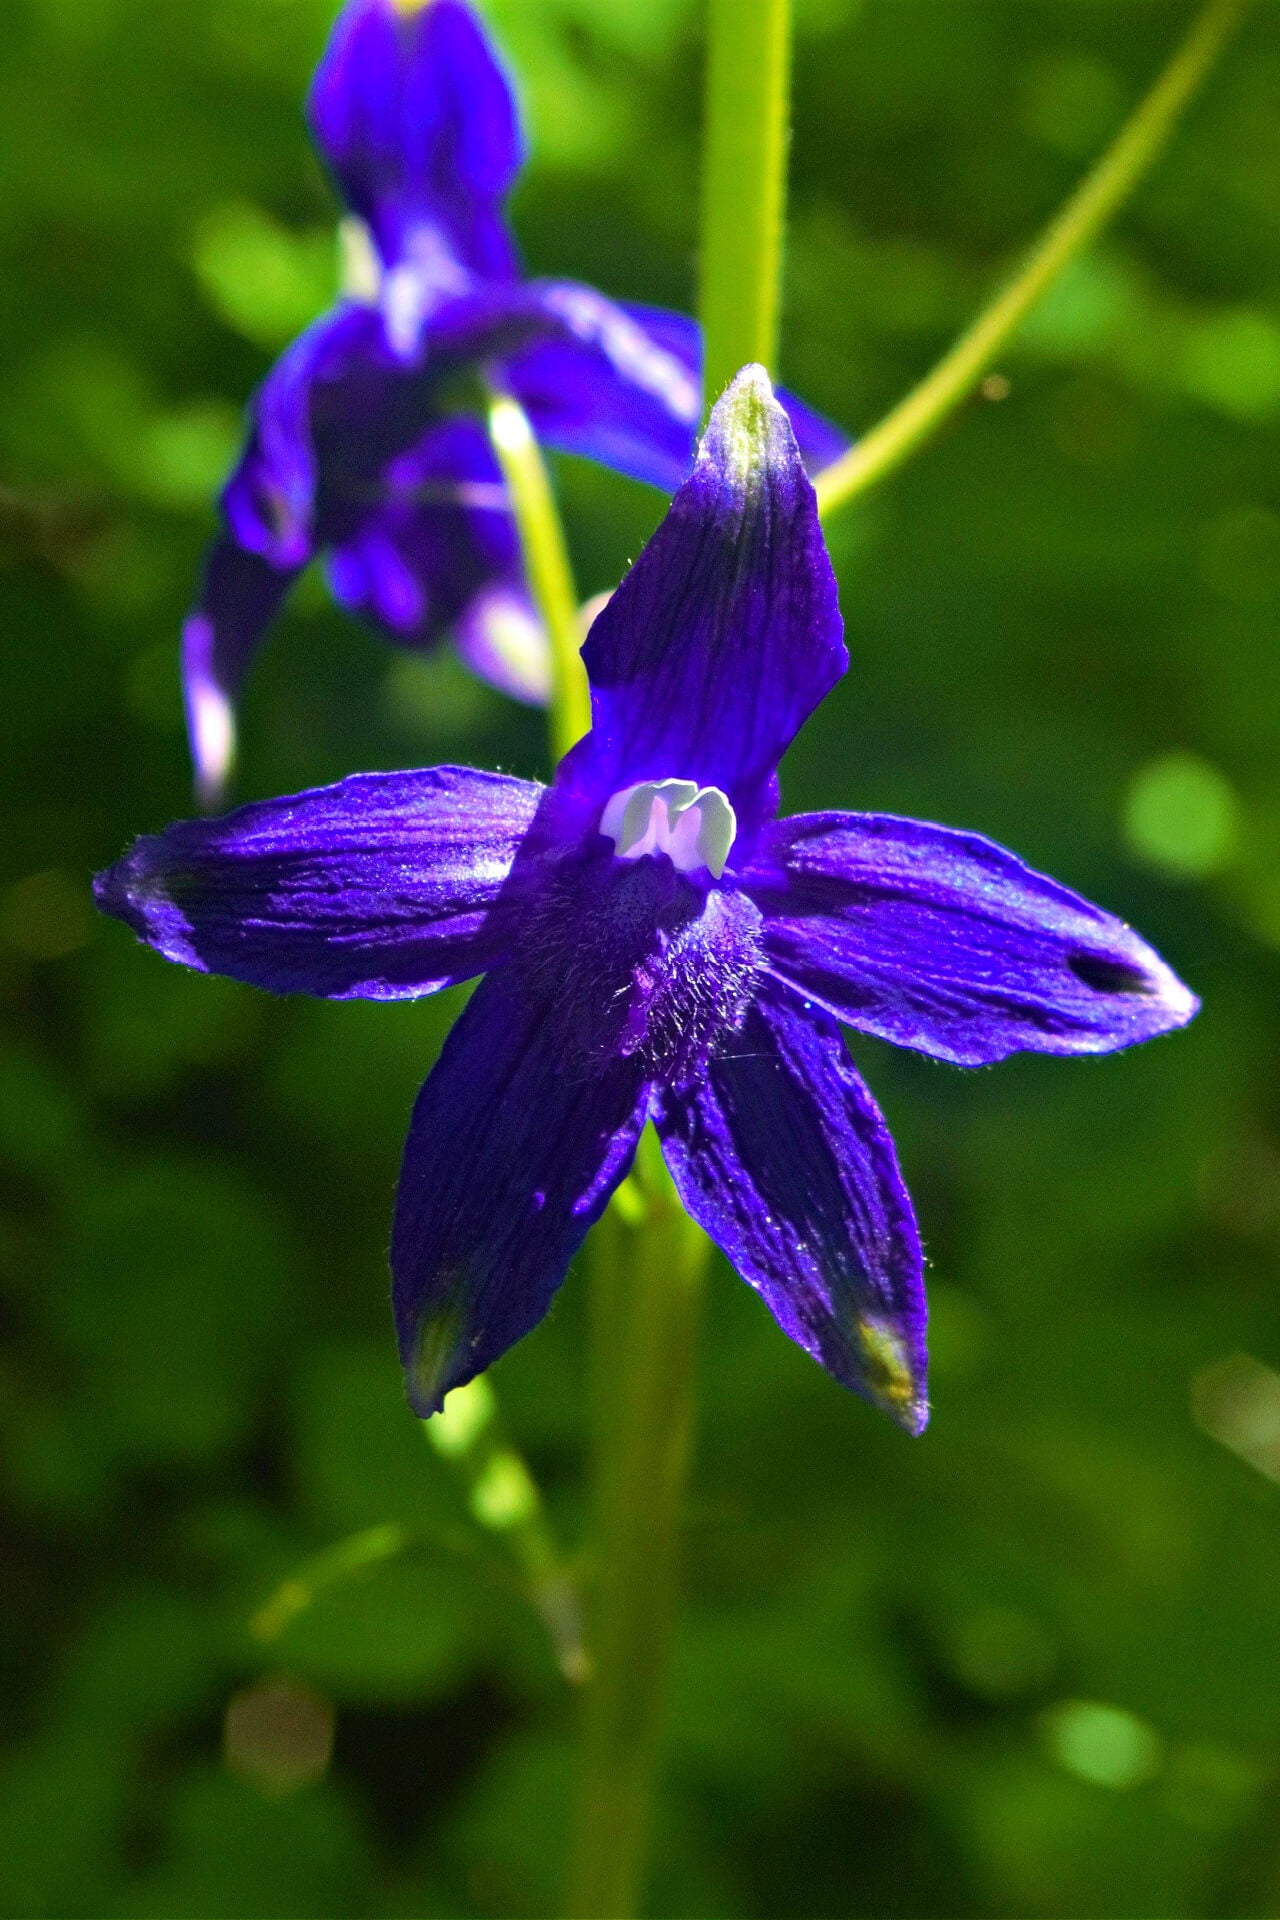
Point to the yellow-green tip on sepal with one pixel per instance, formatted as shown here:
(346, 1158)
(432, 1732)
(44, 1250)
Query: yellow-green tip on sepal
(889, 1380)
(432, 1367)
(747, 430)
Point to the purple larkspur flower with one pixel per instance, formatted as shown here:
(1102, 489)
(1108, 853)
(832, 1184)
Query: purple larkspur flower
(657, 944)
(367, 439)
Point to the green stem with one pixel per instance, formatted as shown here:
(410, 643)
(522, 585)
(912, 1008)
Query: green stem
(1072, 229)
(546, 560)
(743, 185)
(647, 1264)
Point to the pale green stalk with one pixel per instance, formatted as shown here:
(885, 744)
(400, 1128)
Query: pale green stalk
(355, 1554)
(1073, 228)
(744, 184)
(646, 1263)
(547, 567)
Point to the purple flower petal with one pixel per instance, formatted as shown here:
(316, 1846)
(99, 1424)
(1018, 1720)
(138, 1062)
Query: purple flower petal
(240, 596)
(609, 385)
(818, 439)
(500, 637)
(624, 387)
(414, 115)
(438, 551)
(726, 633)
(782, 1156)
(509, 1160)
(345, 403)
(270, 501)
(382, 887)
(348, 451)
(943, 941)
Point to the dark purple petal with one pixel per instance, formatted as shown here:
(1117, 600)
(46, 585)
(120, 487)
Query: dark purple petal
(632, 958)
(437, 551)
(943, 941)
(495, 324)
(339, 408)
(782, 1156)
(270, 500)
(624, 387)
(239, 597)
(726, 633)
(384, 886)
(414, 115)
(509, 1160)
(621, 385)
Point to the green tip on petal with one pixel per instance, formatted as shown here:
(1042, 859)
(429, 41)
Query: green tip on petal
(433, 1362)
(888, 1379)
(747, 427)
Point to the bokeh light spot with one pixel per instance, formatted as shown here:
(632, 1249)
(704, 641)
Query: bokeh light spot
(279, 1735)
(1236, 1401)
(1102, 1744)
(1182, 817)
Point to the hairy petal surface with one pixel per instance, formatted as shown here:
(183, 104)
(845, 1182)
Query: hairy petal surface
(726, 633)
(415, 116)
(384, 886)
(782, 1156)
(509, 1160)
(945, 942)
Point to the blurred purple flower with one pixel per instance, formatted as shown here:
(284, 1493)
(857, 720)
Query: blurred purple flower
(367, 438)
(656, 943)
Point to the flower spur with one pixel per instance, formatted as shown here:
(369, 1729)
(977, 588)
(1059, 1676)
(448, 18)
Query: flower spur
(657, 944)
(367, 439)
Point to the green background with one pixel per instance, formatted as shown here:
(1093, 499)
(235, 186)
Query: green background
(1025, 1665)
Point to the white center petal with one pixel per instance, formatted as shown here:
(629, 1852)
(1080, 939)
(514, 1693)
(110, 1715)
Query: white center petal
(694, 826)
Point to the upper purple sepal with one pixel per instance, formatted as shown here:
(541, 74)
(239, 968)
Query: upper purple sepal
(415, 116)
(726, 633)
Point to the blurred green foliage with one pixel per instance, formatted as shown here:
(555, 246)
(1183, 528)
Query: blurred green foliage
(1027, 1664)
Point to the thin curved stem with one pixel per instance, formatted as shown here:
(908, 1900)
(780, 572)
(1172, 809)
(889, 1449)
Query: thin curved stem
(505, 1503)
(1073, 228)
(546, 560)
